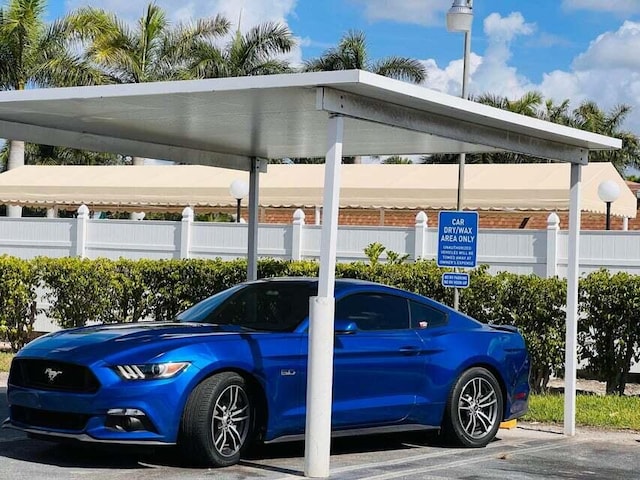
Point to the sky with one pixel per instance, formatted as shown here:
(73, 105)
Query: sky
(565, 49)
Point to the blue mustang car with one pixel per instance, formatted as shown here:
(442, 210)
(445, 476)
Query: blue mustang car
(232, 370)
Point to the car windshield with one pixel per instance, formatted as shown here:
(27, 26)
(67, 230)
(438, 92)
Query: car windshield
(270, 306)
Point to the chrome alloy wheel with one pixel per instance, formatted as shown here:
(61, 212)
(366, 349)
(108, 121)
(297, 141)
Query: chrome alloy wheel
(231, 421)
(478, 408)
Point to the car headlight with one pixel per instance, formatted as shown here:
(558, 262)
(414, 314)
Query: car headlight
(150, 371)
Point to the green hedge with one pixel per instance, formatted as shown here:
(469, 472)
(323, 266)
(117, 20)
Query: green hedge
(82, 291)
(18, 282)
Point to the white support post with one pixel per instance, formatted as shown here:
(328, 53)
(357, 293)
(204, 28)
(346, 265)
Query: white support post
(81, 231)
(185, 232)
(321, 318)
(420, 244)
(296, 237)
(625, 223)
(553, 227)
(252, 243)
(571, 341)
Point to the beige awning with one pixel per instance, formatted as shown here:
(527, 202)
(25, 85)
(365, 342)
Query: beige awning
(487, 187)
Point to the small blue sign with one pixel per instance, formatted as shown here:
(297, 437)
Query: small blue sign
(457, 239)
(455, 280)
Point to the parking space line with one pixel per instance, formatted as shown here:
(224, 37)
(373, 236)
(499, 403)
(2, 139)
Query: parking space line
(510, 449)
(469, 461)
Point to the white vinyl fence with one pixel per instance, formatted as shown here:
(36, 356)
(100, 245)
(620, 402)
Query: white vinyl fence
(542, 252)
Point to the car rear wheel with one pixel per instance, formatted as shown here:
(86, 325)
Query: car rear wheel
(216, 424)
(474, 409)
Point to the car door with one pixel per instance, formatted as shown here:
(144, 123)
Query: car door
(431, 325)
(378, 368)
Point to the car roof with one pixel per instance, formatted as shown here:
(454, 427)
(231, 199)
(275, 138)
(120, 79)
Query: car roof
(340, 283)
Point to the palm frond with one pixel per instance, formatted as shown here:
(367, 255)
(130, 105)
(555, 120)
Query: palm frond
(401, 68)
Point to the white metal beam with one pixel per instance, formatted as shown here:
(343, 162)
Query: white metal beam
(254, 192)
(386, 113)
(123, 146)
(321, 318)
(571, 338)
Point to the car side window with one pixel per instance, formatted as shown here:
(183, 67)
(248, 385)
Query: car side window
(374, 311)
(424, 316)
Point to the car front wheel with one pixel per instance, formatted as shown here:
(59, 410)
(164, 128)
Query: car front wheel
(217, 419)
(474, 409)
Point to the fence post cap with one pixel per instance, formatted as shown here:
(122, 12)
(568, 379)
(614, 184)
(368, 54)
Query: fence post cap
(421, 218)
(187, 213)
(83, 211)
(298, 216)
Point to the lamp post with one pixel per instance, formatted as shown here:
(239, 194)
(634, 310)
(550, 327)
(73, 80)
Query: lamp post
(239, 189)
(459, 19)
(608, 191)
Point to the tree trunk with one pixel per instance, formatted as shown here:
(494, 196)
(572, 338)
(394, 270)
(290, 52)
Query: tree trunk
(16, 159)
(136, 161)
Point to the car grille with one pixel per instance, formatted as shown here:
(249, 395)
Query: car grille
(49, 375)
(48, 419)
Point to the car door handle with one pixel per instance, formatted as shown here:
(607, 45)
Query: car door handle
(410, 350)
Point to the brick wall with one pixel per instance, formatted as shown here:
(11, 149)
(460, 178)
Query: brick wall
(406, 218)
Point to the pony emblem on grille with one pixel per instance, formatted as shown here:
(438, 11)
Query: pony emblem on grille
(52, 374)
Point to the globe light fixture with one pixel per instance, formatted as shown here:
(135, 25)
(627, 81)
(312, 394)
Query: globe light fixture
(609, 192)
(460, 16)
(239, 189)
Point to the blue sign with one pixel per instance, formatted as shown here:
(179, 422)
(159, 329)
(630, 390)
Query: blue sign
(455, 280)
(457, 239)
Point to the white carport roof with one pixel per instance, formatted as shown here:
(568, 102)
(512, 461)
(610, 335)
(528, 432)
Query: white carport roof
(487, 187)
(223, 121)
(230, 122)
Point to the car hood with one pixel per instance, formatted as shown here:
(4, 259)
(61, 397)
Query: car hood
(98, 342)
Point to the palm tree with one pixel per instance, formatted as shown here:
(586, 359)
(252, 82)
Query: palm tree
(397, 160)
(588, 116)
(153, 51)
(257, 52)
(36, 54)
(37, 154)
(351, 53)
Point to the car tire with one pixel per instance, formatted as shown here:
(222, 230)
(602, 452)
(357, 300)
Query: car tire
(217, 421)
(474, 409)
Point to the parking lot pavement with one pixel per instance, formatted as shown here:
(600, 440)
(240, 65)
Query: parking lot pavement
(528, 452)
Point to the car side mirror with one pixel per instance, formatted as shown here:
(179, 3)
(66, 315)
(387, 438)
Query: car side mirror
(345, 327)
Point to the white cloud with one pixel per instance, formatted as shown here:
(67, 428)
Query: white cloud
(613, 50)
(420, 12)
(608, 72)
(492, 72)
(614, 6)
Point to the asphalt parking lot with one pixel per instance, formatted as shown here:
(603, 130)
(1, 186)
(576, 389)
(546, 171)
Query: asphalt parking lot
(527, 452)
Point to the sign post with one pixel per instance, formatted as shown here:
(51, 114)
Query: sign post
(457, 246)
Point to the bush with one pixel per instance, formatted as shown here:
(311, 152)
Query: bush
(18, 281)
(609, 330)
(537, 307)
(174, 285)
(80, 291)
(83, 291)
